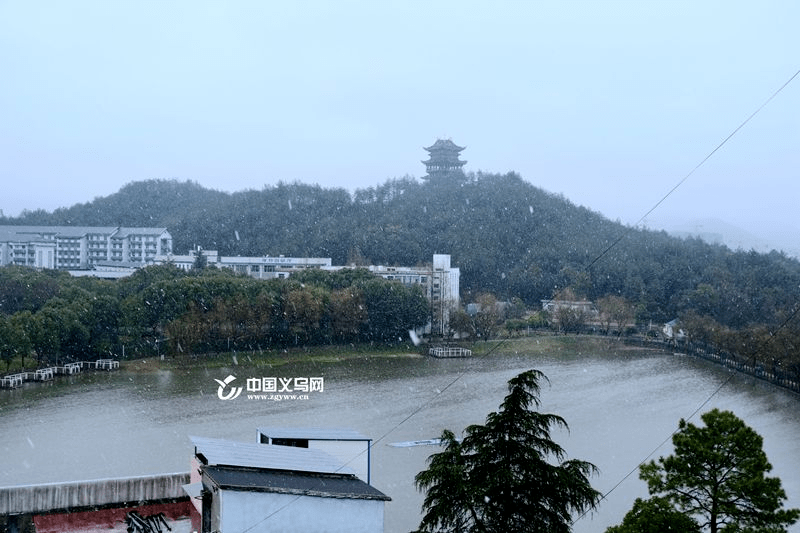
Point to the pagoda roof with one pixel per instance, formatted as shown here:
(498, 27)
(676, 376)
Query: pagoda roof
(444, 145)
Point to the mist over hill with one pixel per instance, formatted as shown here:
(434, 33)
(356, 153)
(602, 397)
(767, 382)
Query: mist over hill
(718, 231)
(508, 237)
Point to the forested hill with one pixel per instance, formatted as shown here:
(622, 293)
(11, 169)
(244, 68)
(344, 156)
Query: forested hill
(507, 236)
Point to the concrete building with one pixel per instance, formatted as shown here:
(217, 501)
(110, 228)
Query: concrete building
(121, 505)
(581, 306)
(116, 252)
(440, 282)
(81, 247)
(277, 488)
(265, 267)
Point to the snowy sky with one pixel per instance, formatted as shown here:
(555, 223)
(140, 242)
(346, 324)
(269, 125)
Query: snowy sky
(609, 103)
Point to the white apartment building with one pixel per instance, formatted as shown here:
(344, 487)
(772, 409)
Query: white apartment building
(80, 247)
(265, 267)
(440, 281)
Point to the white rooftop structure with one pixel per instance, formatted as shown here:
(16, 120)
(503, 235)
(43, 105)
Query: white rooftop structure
(311, 433)
(221, 452)
(265, 488)
(349, 446)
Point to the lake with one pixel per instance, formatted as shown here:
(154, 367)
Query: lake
(621, 406)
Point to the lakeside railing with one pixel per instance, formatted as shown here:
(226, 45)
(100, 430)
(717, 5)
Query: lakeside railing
(449, 351)
(49, 373)
(773, 374)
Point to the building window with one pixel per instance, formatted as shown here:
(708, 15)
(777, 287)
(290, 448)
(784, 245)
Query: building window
(297, 443)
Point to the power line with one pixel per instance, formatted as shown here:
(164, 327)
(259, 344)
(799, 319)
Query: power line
(424, 405)
(626, 233)
(699, 408)
(590, 264)
(692, 171)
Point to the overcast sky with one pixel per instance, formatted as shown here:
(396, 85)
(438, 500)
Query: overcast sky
(609, 103)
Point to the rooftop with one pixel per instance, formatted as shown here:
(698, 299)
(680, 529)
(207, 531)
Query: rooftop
(312, 433)
(32, 233)
(444, 145)
(307, 484)
(220, 452)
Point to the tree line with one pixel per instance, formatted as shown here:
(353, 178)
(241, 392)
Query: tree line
(509, 238)
(52, 317)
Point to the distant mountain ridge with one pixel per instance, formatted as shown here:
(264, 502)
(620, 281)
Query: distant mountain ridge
(507, 236)
(716, 231)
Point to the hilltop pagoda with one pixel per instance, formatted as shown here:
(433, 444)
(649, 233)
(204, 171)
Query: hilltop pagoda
(443, 161)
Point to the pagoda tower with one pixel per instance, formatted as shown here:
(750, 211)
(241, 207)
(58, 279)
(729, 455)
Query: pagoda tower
(443, 160)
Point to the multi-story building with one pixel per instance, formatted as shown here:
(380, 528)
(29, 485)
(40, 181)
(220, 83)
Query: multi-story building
(265, 267)
(440, 282)
(115, 252)
(80, 247)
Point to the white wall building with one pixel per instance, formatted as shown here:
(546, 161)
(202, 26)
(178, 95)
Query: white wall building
(583, 306)
(265, 267)
(80, 247)
(440, 281)
(264, 488)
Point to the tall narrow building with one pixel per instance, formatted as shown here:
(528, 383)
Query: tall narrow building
(443, 161)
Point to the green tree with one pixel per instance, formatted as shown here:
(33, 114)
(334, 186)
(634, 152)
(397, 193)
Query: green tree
(615, 310)
(23, 288)
(302, 309)
(656, 515)
(718, 473)
(21, 325)
(392, 309)
(570, 319)
(200, 260)
(347, 314)
(487, 320)
(44, 333)
(449, 498)
(6, 341)
(463, 324)
(508, 474)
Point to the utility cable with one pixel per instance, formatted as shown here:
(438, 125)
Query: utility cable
(413, 413)
(699, 408)
(591, 263)
(628, 231)
(700, 164)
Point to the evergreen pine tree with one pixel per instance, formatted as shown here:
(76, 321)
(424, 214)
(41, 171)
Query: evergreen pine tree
(508, 474)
